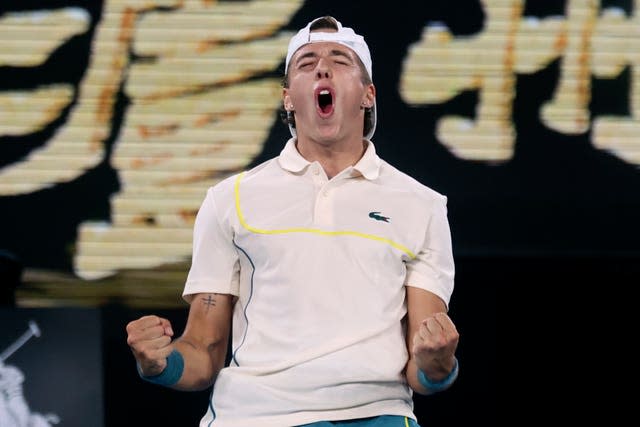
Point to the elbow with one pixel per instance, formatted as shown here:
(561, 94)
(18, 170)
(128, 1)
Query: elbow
(198, 384)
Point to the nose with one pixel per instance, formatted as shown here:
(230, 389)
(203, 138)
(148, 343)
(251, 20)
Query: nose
(323, 71)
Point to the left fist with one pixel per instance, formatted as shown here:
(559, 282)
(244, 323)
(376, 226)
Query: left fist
(434, 346)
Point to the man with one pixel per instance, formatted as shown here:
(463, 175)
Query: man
(334, 268)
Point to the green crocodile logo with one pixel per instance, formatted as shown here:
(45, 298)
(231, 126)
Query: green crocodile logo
(377, 216)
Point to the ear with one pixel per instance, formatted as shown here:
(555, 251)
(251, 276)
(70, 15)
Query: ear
(286, 100)
(369, 96)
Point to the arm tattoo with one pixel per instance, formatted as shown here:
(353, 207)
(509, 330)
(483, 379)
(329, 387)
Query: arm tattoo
(209, 301)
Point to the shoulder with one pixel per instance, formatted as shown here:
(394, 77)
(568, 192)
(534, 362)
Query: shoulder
(220, 198)
(228, 184)
(401, 181)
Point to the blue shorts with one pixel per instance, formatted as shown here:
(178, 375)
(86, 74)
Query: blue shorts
(381, 421)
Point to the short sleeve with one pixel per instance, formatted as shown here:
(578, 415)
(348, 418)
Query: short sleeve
(214, 264)
(433, 268)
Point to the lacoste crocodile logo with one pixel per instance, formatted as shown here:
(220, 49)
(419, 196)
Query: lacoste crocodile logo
(377, 216)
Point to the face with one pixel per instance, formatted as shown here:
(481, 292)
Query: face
(327, 92)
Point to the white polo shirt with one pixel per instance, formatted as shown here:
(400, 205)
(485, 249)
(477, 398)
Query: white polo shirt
(319, 267)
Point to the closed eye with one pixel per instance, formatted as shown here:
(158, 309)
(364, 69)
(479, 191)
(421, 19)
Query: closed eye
(305, 64)
(341, 57)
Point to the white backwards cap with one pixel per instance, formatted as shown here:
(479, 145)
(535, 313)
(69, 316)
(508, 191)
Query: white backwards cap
(344, 36)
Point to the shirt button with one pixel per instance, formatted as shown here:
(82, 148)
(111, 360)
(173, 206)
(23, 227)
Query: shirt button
(325, 193)
(316, 171)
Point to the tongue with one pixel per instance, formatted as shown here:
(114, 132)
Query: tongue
(326, 109)
(325, 103)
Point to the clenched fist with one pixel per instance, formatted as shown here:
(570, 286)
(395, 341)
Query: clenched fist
(434, 346)
(150, 340)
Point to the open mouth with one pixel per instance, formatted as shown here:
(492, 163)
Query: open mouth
(324, 99)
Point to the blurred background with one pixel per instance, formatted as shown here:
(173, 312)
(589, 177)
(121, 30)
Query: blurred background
(117, 115)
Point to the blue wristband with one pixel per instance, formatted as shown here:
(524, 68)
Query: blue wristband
(171, 373)
(435, 386)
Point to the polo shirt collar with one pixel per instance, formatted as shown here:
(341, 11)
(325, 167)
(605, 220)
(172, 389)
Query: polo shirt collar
(368, 166)
(290, 159)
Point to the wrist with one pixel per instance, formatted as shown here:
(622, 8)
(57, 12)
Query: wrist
(435, 386)
(170, 375)
(150, 368)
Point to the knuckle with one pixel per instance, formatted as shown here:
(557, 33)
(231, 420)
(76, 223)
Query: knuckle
(130, 327)
(146, 353)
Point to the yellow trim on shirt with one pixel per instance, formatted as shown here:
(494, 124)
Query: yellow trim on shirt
(312, 230)
(406, 421)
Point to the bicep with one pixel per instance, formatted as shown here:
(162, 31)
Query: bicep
(209, 321)
(203, 344)
(420, 305)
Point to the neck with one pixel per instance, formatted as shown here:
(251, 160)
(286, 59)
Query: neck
(333, 157)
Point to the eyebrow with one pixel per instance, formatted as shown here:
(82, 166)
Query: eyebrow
(334, 52)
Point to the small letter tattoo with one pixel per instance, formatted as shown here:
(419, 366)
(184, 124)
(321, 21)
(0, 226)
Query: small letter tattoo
(209, 301)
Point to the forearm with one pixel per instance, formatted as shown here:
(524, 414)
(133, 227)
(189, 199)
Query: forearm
(193, 361)
(202, 363)
(432, 339)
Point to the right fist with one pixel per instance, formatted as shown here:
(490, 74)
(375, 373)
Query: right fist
(150, 340)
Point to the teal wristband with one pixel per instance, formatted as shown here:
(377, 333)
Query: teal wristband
(171, 373)
(444, 383)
